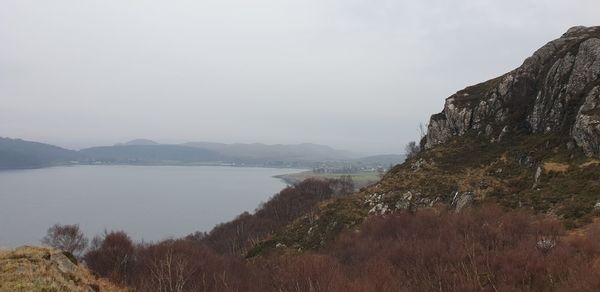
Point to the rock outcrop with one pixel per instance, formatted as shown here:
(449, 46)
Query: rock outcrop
(557, 90)
(46, 269)
(528, 140)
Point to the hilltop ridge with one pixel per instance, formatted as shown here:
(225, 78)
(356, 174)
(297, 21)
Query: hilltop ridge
(555, 91)
(22, 154)
(17, 153)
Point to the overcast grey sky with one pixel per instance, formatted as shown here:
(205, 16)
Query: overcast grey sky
(354, 74)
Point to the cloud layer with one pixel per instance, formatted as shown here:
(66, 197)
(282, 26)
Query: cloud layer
(354, 74)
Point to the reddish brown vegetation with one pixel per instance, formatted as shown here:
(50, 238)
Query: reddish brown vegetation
(112, 256)
(236, 236)
(485, 248)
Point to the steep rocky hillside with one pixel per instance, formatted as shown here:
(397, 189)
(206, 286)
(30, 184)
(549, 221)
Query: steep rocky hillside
(528, 139)
(555, 91)
(46, 269)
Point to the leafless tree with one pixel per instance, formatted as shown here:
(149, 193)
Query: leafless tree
(171, 272)
(66, 237)
(111, 256)
(411, 150)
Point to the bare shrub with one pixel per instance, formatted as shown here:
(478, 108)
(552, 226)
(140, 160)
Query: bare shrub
(171, 266)
(111, 256)
(480, 249)
(305, 272)
(66, 237)
(237, 236)
(486, 248)
(411, 150)
(342, 186)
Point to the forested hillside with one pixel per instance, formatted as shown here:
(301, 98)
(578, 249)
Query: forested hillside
(17, 153)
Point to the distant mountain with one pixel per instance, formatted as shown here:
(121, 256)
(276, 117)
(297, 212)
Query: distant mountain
(273, 154)
(304, 155)
(17, 153)
(151, 154)
(138, 142)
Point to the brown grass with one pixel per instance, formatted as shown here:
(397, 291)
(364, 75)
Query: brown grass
(38, 269)
(590, 163)
(555, 167)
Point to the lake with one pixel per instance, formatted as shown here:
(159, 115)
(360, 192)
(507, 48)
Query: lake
(148, 202)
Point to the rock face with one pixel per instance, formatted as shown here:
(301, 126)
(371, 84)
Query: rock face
(557, 90)
(461, 201)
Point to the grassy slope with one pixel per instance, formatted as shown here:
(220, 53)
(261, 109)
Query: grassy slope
(568, 186)
(46, 269)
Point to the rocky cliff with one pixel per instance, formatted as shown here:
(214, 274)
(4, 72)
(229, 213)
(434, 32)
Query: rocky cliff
(529, 139)
(557, 90)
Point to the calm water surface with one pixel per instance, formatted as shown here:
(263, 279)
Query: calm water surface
(148, 202)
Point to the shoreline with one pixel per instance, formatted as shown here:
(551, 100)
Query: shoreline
(153, 164)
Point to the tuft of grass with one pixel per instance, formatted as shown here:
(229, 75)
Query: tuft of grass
(555, 167)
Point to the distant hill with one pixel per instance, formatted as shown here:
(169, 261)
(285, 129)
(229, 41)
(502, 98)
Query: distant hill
(257, 153)
(151, 154)
(382, 160)
(17, 153)
(138, 142)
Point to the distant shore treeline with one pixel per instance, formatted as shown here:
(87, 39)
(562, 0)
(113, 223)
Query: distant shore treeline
(21, 154)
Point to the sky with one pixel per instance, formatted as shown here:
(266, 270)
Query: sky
(359, 75)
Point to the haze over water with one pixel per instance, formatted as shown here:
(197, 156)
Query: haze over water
(148, 202)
